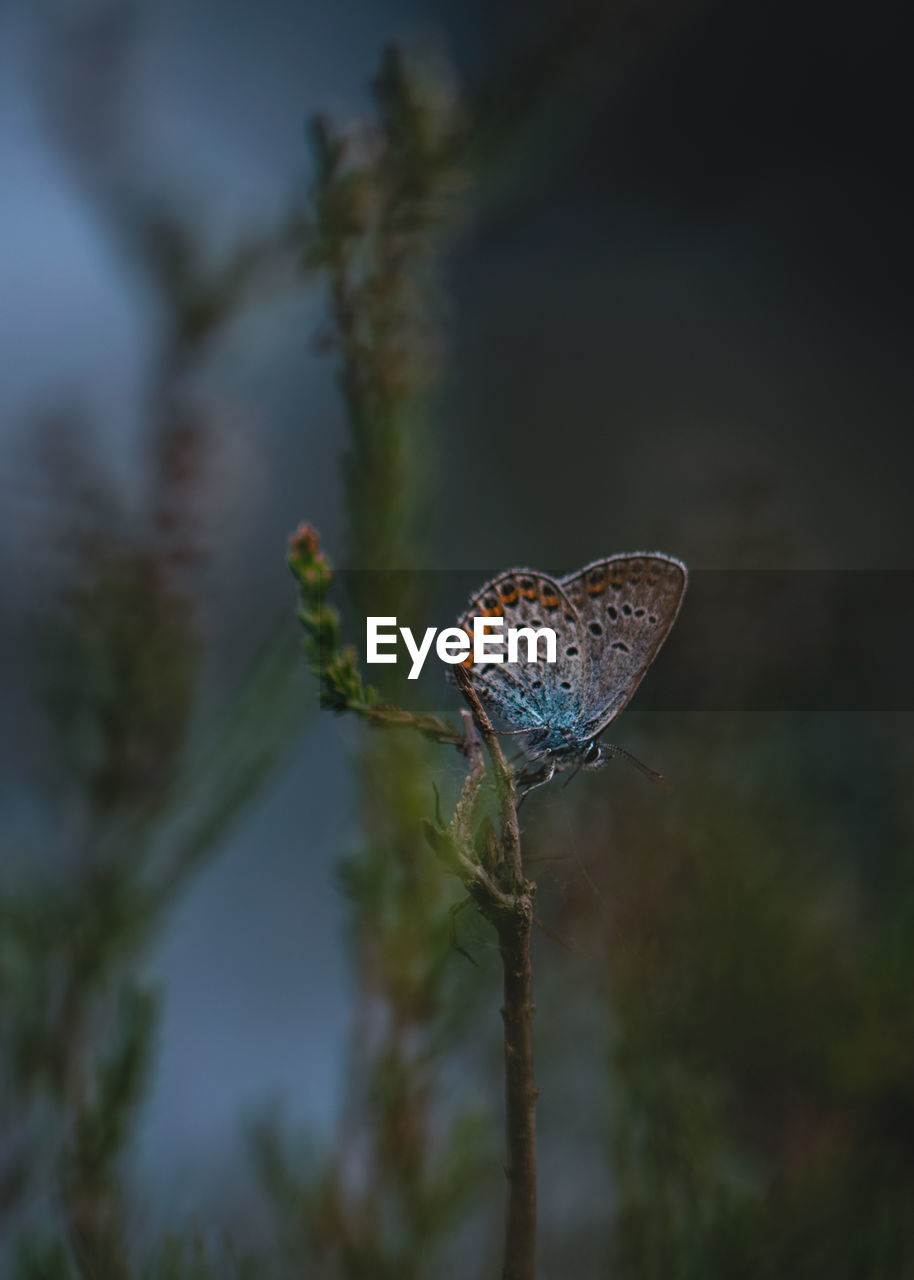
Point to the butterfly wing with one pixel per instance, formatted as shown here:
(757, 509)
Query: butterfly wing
(627, 606)
(530, 695)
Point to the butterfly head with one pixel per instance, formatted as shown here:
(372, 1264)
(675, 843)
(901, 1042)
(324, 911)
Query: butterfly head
(571, 751)
(592, 754)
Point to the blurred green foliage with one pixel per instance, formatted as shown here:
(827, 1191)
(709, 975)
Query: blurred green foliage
(743, 949)
(142, 781)
(754, 952)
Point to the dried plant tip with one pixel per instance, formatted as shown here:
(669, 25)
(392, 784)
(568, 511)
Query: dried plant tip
(305, 542)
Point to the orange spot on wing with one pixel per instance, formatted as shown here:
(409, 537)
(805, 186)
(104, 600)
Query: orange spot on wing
(468, 660)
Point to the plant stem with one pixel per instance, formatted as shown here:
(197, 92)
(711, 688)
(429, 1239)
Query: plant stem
(514, 926)
(520, 1093)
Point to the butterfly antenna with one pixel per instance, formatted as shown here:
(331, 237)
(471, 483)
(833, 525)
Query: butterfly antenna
(652, 774)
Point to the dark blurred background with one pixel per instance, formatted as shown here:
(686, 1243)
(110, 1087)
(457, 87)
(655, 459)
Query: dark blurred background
(677, 316)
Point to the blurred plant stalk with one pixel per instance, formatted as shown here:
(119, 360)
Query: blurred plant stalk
(382, 200)
(140, 794)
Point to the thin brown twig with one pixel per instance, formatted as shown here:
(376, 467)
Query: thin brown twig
(514, 929)
(520, 1096)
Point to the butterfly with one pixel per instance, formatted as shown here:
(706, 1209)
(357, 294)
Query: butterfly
(610, 620)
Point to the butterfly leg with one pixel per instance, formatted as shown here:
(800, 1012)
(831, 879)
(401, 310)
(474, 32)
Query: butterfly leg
(538, 779)
(452, 928)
